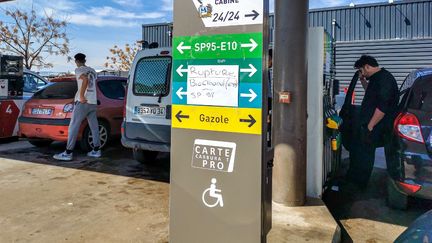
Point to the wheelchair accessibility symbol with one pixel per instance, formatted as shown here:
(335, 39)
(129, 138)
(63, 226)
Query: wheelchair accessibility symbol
(212, 196)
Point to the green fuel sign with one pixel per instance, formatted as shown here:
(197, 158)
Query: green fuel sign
(245, 45)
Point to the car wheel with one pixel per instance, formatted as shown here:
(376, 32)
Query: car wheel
(40, 142)
(395, 198)
(145, 156)
(87, 139)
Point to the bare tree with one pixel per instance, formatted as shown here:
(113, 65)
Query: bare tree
(29, 35)
(121, 59)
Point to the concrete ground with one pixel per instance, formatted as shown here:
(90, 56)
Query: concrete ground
(309, 223)
(364, 216)
(112, 199)
(116, 199)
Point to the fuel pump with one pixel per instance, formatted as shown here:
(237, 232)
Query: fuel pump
(11, 94)
(11, 77)
(324, 139)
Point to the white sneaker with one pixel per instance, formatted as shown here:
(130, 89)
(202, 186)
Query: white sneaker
(63, 156)
(94, 154)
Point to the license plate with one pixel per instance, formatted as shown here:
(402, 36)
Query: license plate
(149, 111)
(41, 111)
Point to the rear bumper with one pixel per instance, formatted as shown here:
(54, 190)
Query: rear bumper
(54, 129)
(145, 145)
(38, 121)
(146, 136)
(424, 192)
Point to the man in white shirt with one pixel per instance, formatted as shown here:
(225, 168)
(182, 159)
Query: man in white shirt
(85, 107)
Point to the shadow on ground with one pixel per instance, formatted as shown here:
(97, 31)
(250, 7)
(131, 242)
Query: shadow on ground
(370, 205)
(115, 160)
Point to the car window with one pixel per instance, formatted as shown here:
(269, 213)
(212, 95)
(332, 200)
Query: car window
(421, 94)
(152, 76)
(32, 83)
(40, 83)
(60, 90)
(113, 89)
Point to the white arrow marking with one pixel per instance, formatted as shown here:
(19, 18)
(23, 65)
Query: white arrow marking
(251, 95)
(180, 47)
(252, 45)
(180, 93)
(180, 71)
(252, 70)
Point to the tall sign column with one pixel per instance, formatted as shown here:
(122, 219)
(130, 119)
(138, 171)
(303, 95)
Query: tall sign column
(218, 177)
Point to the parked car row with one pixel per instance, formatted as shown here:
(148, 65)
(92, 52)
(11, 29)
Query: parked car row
(46, 115)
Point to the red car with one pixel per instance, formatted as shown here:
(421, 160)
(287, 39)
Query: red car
(46, 116)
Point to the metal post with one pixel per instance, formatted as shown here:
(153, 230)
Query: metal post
(290, 102)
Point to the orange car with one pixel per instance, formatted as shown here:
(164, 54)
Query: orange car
(46, 116)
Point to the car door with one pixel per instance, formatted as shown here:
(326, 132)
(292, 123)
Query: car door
(148, 106)
(113, 91)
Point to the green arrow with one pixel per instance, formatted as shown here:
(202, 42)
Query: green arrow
(252, 45)
(180, 70)
(181, 47)
(251, 71)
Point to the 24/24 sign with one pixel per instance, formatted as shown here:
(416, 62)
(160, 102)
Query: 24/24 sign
(229, 12)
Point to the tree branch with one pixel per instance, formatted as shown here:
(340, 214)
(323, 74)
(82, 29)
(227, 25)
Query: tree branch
(13, 47)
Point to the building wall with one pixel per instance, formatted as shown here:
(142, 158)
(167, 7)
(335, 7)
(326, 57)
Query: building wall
(160, 33)
(402, 20)
(398, 56)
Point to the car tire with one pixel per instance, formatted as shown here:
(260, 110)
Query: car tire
(145, 156)
(87, 141)
(40, 142)
(395, 198)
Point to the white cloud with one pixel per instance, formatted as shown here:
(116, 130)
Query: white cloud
(59, 5)
(110, 17)
(115, 13)
(167, 5)
(98, 21)
(18, 3)
(129, 3)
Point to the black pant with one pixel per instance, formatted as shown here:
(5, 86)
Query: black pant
(362, 158)
(362, 153)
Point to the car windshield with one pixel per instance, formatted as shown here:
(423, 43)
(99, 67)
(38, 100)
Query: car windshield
(152, 76)
(59, 90)
(421, 94)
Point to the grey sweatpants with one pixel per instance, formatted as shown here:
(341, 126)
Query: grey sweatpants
(80, 112)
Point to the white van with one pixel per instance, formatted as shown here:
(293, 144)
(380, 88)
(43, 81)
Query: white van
(147, 117)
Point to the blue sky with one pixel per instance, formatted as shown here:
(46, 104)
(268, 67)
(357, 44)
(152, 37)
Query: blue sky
(97, 25)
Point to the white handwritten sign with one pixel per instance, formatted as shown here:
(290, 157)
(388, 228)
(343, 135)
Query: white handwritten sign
(214, 85)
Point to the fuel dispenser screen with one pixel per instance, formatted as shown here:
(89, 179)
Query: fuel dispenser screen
(11, 76)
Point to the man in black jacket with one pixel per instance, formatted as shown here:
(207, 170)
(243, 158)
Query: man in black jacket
(377, 113)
